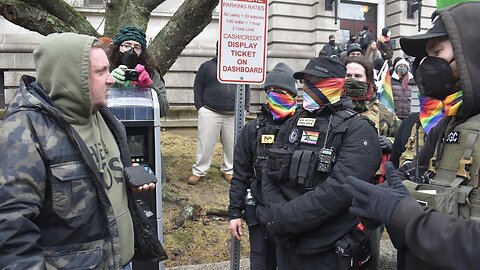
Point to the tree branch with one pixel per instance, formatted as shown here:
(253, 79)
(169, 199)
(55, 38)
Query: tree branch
(188, 210)
(70, 16)
(189, 20)
(153, 4)
(32, 18)
(125, 12)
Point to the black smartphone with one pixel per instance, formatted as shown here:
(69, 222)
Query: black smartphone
(131, 75)
(138, 176)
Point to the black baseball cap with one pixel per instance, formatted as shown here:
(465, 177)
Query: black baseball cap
(323, 67)
(416, 45)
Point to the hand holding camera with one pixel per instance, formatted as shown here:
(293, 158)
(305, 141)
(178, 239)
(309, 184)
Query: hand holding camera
(119, 74)
(123, 75)
(144, 79)
(131, 75)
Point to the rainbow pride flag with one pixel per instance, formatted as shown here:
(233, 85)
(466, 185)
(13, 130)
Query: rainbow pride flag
(384, 88)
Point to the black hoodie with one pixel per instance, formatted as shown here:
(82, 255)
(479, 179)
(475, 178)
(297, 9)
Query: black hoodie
(433, 240)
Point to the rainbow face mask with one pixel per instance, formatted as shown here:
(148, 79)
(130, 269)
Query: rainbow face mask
(281, 105)
(327, 91)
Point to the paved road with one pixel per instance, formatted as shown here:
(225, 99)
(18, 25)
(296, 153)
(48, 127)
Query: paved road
(387, 260)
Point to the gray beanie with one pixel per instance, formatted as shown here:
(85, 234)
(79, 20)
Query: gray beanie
(281, 76)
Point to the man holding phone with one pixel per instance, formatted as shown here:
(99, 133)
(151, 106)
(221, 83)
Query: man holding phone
(64, 201)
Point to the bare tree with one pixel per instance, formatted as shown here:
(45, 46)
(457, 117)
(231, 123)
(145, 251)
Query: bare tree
(50, 16)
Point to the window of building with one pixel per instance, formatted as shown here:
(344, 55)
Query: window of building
(96, 3)
(357, 11)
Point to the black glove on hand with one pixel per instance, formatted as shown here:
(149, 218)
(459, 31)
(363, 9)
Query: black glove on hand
(373, 201)
(369, 224)
(385, 144)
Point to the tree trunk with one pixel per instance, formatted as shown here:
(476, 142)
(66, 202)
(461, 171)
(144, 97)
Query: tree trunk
(189, 20)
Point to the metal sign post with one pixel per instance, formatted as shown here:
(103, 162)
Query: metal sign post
(239, 123)
(242, 56)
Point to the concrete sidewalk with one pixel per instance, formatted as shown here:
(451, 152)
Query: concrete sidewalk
(388, 260)
(244, 265)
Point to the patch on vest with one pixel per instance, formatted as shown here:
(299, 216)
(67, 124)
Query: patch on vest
(451, 137)
(309, 137)
(306, 122)
(293, 135)
(267, 139)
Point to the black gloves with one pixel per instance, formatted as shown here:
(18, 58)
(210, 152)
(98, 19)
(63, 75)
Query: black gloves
(385, 144)
(373, 201)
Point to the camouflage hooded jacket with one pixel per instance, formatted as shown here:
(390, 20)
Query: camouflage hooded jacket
(54, 211)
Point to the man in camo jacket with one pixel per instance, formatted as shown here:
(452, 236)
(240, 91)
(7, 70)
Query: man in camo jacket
(64, 203)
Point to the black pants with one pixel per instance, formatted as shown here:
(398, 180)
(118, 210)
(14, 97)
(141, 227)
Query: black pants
(287, 260)
(262, 250)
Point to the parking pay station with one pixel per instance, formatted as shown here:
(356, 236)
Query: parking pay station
(139, 111)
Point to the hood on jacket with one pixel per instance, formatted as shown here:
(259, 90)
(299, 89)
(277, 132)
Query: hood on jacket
(461, 22)
(62, 66)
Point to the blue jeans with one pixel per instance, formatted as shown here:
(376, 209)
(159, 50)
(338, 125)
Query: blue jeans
(128, 266)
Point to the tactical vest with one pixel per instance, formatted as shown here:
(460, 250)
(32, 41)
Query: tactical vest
(411, 147)
(373, 113)
(454, 172)
(266, 136)
(389, 122)
(309, 156)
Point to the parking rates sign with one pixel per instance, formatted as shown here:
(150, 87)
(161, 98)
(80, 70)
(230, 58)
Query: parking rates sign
(242, 50)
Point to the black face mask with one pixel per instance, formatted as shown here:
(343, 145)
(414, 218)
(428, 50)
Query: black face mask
(332, 42)
(129, 58)
(435, 79)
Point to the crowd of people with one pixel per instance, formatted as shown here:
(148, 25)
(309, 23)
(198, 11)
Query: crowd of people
(313, 181)
(334, 148)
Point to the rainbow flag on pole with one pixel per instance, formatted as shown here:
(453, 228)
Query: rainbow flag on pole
(384, 87)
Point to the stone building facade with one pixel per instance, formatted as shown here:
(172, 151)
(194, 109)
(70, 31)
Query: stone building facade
(297, 31)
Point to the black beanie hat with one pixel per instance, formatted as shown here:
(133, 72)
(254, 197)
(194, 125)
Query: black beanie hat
(130, 33)
(385, 31)
(378, 63)
(281, 76)
(354, 47)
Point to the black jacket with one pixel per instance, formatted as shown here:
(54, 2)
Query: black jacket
(332, 49)
(310, 222)
(245, 161)
(209, 92)
(435, 240)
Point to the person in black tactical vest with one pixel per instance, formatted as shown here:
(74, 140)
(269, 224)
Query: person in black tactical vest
(315, 150)
(250, 155)
(443, 231)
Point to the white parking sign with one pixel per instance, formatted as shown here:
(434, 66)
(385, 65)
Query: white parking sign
(242, 50)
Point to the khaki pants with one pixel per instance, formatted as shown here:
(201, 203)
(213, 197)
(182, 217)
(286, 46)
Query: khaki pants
(211, 127)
